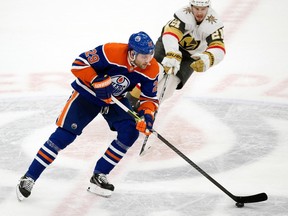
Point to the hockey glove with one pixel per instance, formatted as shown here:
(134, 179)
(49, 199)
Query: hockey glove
(203, 61)
(171, 62)
(145, 125)
(103, 88)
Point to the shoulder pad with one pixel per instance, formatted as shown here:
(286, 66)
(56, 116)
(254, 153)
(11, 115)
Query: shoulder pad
(116, 53)
(185, 15)
(211, 23)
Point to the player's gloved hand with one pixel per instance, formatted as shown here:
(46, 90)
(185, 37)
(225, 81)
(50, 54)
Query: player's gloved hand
(203, 61)
(103, 88)
(145, 124)
(171, 62)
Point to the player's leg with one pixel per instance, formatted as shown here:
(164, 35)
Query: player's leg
(76, 114)
(44, 157)
(126, 136)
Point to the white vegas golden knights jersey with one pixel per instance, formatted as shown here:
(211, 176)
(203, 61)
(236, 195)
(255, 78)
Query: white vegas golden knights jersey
(193, 37)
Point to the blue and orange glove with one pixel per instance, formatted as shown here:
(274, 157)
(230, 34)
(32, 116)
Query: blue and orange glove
(103, 88)
(145, 124)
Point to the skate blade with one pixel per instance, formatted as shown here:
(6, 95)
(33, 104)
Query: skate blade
(99, 191)
(19, 195)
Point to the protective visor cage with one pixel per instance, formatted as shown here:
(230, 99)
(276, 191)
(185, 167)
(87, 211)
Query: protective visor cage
(141, 43)
(200, 3)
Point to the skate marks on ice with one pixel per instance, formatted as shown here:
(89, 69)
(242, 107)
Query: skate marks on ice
(25, 115)
(254, 138)
(184, 204)
(28, 124)
(253, 134)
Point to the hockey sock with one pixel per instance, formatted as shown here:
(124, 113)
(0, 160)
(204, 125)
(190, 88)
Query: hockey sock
(111, 157)
(49, 151)
(44, 157)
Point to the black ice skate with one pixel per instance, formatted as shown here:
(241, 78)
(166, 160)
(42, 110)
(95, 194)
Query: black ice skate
(24, 188)
(100, 185)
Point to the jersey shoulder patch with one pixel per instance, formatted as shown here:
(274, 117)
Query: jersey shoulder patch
(185, 15)
(211, 23)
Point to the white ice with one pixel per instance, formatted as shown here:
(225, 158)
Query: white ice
(232, 120)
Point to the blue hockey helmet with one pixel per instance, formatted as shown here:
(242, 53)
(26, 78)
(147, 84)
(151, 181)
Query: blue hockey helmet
(141, 43)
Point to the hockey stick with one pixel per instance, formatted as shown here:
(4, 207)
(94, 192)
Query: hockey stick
(240, 200)
(143, 148)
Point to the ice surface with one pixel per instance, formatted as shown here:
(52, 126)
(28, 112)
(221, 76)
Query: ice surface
(231, 121)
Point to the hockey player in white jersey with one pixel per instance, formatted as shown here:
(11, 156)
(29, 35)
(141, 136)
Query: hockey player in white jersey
(192, 41)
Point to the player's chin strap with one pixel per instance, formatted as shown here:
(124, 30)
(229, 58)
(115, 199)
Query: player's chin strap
(240, 200)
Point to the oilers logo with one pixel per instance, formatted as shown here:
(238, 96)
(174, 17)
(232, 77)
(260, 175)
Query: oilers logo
(120, 83)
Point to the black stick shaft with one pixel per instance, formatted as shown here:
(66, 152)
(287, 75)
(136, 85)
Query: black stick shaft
(193, 164)
(239, 199)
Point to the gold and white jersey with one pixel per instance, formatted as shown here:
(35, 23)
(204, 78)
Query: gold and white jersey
(183, 31)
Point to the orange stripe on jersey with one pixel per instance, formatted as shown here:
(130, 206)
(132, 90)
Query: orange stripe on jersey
(45, 156)
(61, 119)
(112, 155)
(85, 74)
(148, 105)
(176, 35)
(79, 63)
(117, 53)
(217, 47)
(152, 70)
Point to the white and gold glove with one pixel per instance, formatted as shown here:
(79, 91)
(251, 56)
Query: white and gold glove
(171, 62)
(203, 61)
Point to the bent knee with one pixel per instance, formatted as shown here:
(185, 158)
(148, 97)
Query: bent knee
(62, 137)
(128, 134)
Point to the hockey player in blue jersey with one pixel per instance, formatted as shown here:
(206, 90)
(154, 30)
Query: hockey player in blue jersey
(109, 69)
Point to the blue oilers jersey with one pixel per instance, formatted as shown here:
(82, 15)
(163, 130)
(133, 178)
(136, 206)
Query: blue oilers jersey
(112, 59)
